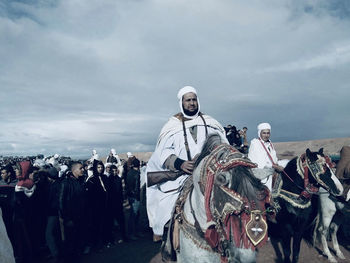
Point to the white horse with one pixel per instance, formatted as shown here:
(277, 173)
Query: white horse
(221, 218)
(330, 217)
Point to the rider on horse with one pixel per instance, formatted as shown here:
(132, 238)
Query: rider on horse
(180, 140)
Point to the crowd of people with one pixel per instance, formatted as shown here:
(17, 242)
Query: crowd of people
(69, 207)
(237, 138)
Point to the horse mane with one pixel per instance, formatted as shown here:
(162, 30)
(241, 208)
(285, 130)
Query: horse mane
(210, 143)
(243, 180)
(246, 184)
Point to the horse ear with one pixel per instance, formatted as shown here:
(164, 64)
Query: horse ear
(308, 152)
(320, 151)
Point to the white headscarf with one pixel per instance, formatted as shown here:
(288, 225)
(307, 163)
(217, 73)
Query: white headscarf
(181, 93)
(263, 126)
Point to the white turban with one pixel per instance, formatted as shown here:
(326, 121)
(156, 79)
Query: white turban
(263, 126)
(181, 93)
(113, 151)
(129, 154)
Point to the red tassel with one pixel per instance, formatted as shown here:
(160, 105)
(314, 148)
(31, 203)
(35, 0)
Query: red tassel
(212, 237)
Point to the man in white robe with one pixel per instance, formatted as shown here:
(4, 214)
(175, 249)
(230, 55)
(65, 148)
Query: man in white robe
(262, 152)
(171, 154)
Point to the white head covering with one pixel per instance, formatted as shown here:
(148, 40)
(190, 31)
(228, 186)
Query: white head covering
(129, 154)
(62, 169)
(94, 152)
(108, 165)
(39, 163)
(263, 126)
(181, 93)
(113, 151)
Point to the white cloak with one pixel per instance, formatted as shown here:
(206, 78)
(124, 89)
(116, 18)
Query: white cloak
(258, 155)
(171, 141)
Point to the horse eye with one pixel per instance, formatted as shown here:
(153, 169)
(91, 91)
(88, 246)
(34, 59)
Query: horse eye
(221, 179)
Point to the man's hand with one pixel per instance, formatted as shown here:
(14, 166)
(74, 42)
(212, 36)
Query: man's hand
(187, 167)
(278, 167)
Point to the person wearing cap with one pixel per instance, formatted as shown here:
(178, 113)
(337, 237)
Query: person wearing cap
(263, 153)
(188, 127)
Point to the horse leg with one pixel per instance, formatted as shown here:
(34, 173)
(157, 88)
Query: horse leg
(286, 242)
(327, 215)
(333, 230)
(296, 246)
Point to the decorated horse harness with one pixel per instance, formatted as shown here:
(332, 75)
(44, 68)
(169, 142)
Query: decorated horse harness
(304, 166)
(234, 214)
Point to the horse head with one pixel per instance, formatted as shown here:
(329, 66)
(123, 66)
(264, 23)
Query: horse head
(320, 167)
(233, 199)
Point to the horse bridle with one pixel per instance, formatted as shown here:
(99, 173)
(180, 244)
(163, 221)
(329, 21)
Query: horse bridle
(316, 168)
(222, 158)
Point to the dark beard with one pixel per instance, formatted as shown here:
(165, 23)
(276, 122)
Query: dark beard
(190, 113)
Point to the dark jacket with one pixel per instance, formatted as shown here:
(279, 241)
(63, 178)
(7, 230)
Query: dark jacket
(133, 184)
(72, 199)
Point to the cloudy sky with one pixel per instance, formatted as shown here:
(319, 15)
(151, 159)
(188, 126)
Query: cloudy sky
(78, 75)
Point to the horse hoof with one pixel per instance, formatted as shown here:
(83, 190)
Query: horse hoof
(340, 255)
(332, 260)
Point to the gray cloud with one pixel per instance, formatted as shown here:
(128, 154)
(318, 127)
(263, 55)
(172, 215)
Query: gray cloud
(79, 75)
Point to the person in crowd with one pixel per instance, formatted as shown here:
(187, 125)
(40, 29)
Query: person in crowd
(23, 205)
(343, 171)
(107, 171)
(96, 187)
(39, 200)
(128, 164)
(263, 153)
(54, 160)
(94, 156)
(133, 195)
(232, 135)
(189, 127)
(244, 140)
(72, 205)
(7, 192)
(113, 157)
(115, 205)
(52, 231)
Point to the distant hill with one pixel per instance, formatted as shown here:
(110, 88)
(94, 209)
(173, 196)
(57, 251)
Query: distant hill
(285, 150)
(288, 150)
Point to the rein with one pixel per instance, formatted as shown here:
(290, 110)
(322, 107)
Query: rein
(270, 157)
(309, 189)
